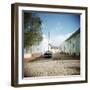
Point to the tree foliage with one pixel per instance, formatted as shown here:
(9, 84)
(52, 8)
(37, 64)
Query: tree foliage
(32, 30)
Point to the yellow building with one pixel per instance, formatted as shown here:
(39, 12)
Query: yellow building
(55, 49)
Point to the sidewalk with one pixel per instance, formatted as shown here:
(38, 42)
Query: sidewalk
(34, 56)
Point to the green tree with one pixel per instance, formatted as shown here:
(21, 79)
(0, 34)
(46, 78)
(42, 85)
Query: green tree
(32, 30)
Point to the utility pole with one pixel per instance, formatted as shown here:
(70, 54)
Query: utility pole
(48, 40)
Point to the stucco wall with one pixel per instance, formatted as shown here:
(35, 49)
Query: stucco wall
(72, 45)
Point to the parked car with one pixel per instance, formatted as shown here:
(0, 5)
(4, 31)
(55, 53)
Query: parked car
(48, 54)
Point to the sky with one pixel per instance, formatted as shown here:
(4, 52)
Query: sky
(59, 25)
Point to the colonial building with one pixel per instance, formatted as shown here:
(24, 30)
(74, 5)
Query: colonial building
(55, 49)
(71, 45)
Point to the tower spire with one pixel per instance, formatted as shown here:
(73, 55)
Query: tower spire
(48, 40)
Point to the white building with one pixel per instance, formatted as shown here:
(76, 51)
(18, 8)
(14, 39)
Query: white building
(72, 44)
(55, 49)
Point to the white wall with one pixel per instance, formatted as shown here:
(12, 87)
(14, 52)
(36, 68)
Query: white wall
(5, 45)
(67, 46)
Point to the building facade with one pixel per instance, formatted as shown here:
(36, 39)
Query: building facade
(71, 45)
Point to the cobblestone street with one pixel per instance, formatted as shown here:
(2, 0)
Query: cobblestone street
(50, 67)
